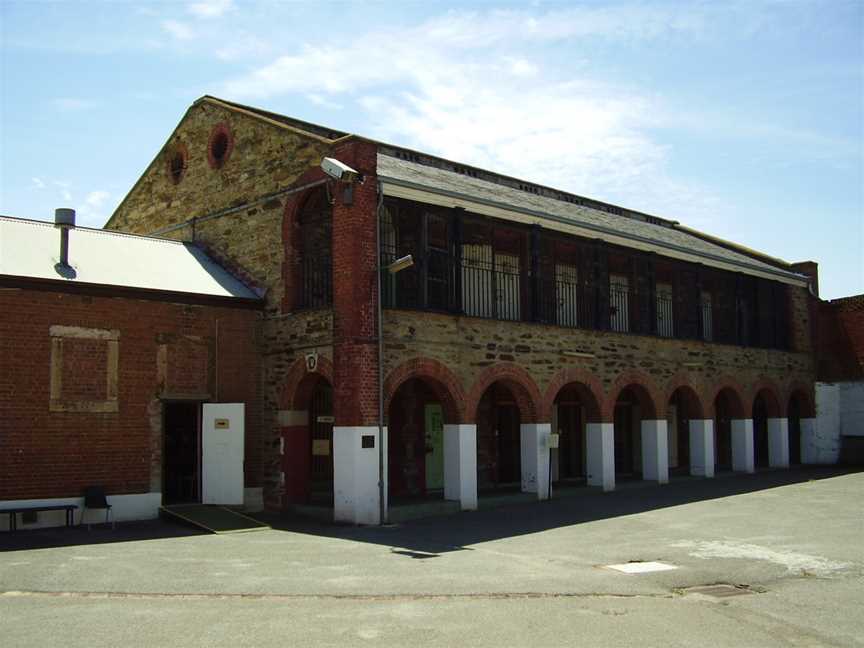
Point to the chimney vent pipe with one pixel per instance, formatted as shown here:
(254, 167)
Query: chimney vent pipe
(64, 218)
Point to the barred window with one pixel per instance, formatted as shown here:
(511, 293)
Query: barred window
(316, 251)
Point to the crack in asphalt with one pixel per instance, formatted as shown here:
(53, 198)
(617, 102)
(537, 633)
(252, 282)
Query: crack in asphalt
(337, 597)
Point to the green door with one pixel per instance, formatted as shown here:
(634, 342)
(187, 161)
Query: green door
(434, 420)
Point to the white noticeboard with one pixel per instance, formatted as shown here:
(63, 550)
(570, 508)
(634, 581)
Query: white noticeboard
(222, 451)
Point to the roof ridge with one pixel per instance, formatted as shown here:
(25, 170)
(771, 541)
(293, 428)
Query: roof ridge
(94, 230)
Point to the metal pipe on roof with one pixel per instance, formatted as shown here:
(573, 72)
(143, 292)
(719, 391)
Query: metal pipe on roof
(64, 218)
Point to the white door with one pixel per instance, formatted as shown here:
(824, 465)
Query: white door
(222, 453)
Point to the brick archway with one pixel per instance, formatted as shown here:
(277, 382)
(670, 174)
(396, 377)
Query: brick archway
(800, 391)
(587, 385)
(771, 397)
(650, 399)
(731, 390)
(443, 382)
(300, 382)
(290, 234)
(517, 380)
(691, 394)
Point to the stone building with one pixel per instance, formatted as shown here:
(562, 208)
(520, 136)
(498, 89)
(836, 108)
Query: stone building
(649, 349)
(109, 344)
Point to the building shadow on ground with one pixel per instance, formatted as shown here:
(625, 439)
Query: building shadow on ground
(433, 536)
(53, 537)
(426, 538)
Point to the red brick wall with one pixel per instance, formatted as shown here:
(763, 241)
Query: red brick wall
(840, 339)
(46, 453)
(355, 351)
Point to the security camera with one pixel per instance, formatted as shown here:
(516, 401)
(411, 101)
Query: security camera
(339, 170)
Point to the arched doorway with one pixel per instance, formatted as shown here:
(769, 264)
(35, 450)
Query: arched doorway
(573, 408)
(683, 407)
(632, 405)
(499, 453)
(321, 444)
(765, 406)
(415, 430)
(727, 406)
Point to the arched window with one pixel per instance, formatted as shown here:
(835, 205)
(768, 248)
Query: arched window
(316, 251)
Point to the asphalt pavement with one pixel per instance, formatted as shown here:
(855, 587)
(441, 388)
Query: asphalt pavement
(786, 548)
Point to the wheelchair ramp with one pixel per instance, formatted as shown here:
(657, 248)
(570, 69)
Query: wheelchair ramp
(216, 519)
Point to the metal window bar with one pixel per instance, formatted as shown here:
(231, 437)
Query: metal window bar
(317, 282)
(619, 306)
(665, 313)
(707, 317)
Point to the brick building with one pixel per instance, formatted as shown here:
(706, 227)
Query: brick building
(839, 342)
(647, 347)
(106, 360)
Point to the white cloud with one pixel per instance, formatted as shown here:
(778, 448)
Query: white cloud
(210, 8)
(475, 88)
(38, 183)
(178, 30)
(95, 199)
(93, 211)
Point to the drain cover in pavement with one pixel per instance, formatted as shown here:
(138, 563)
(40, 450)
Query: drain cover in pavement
(641, 567)
(721, 590)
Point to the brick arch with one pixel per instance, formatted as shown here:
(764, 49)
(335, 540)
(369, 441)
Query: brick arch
(517, 380)
(771, 395)
(589, 388)
(736, 393)
(650, 398)
(443, 382)
(693, 394)
(294, 204)
(804, 394)
(300, 382)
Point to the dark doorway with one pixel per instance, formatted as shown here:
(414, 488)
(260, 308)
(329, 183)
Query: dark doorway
(624, 419)
(415, 455)
(680, 432)
(794, 432)
(723, 432)
(499, 452)
(760, 433)
(570, 427)
(321, 431)
(181, 455)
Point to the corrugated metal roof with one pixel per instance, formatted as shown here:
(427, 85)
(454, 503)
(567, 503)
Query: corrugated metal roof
(32, 248)
(602, 224)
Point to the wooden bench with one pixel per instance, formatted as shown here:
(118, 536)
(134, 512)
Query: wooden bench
(13, 512)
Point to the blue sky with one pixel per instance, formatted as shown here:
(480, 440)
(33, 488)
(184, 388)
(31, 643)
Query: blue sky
(742, 119)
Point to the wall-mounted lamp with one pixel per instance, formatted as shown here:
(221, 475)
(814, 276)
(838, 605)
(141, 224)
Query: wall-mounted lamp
(401, 264)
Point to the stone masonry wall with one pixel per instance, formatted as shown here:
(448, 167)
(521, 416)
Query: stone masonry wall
(472, 349)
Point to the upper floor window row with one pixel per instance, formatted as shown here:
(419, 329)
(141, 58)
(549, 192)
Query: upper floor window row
(485, 268)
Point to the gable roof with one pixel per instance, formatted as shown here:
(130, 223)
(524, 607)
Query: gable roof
(30, 249)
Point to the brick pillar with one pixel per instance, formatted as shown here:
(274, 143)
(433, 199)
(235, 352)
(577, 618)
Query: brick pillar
(778, 442)
(702, 447)
(601, 455)
(655, 451)
(355, 342)
(534, 445)
(742, 446)
(460, 464)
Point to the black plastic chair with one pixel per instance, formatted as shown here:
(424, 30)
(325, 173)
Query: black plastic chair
(94, 498)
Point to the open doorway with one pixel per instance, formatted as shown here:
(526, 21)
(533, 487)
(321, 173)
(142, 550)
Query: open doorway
(181, 455)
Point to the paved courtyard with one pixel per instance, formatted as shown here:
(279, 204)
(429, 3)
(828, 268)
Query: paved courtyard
(791, 543)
